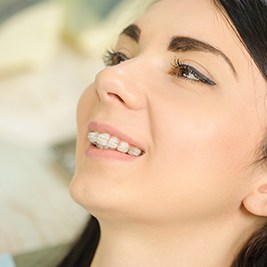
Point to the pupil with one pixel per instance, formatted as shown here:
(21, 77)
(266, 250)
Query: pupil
(185, 72)
(118, 59)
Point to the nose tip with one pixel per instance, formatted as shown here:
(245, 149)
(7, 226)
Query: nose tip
(114, 86)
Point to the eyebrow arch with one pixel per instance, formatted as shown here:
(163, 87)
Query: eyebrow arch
(132, 31)
(185, 44)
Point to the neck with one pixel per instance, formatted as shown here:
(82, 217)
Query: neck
(207, 245)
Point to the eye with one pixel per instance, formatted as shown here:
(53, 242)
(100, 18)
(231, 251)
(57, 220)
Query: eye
(189, 73)
(112, 58)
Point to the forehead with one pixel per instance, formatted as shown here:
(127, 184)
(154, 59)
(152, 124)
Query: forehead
(199, 18)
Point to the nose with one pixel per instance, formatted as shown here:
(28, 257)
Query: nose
(120, 84)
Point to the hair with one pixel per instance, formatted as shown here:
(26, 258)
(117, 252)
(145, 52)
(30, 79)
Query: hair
(249, 19)
(83, 250)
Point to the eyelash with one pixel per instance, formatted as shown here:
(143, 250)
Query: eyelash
(112, 58)
(180, 70)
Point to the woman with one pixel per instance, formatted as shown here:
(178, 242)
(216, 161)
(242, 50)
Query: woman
(171, 141)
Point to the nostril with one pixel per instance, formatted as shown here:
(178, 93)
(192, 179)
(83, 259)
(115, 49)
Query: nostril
(112, 95)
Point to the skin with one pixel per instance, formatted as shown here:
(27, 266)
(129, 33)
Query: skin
(195, 195)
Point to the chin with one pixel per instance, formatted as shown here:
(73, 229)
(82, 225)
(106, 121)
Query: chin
(103, 202)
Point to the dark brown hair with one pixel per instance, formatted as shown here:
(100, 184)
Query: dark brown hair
(83, 250)
(249, 18)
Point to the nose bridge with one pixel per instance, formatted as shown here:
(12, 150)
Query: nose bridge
(121, 83)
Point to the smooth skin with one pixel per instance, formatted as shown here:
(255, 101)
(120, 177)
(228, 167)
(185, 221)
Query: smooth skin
(195, 195)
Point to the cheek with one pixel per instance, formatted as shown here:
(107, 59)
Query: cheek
(215, 142)
(215, 130)
(85, 105)
(198, 136)
(85, 109)
(203, 156)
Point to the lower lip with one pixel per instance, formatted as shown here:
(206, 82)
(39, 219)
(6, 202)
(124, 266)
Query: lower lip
(96, 153)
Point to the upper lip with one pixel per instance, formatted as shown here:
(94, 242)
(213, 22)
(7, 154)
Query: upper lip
(105, 128)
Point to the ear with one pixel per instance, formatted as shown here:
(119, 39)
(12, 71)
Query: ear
(256, 201)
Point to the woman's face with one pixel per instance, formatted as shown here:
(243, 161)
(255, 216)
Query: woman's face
(184, 90)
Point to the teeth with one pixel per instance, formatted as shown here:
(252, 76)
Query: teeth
(92, 136)
(134, 151)
(123, 147)
(113, 142)
(105, 141)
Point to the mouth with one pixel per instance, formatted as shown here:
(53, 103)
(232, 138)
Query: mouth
(105, 141)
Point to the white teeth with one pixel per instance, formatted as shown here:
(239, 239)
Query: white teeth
(113, 142)
(134, 151)
(105, 141)
(92, 136)
(123, 147)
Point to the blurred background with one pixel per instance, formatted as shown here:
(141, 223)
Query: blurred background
(49, 52)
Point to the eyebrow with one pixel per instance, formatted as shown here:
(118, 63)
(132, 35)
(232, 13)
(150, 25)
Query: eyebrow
(181, 44)
(132, 31)
(186, 44)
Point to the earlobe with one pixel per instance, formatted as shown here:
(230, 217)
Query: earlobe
(256, 202)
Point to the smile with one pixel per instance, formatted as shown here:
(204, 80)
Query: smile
(108, 142)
